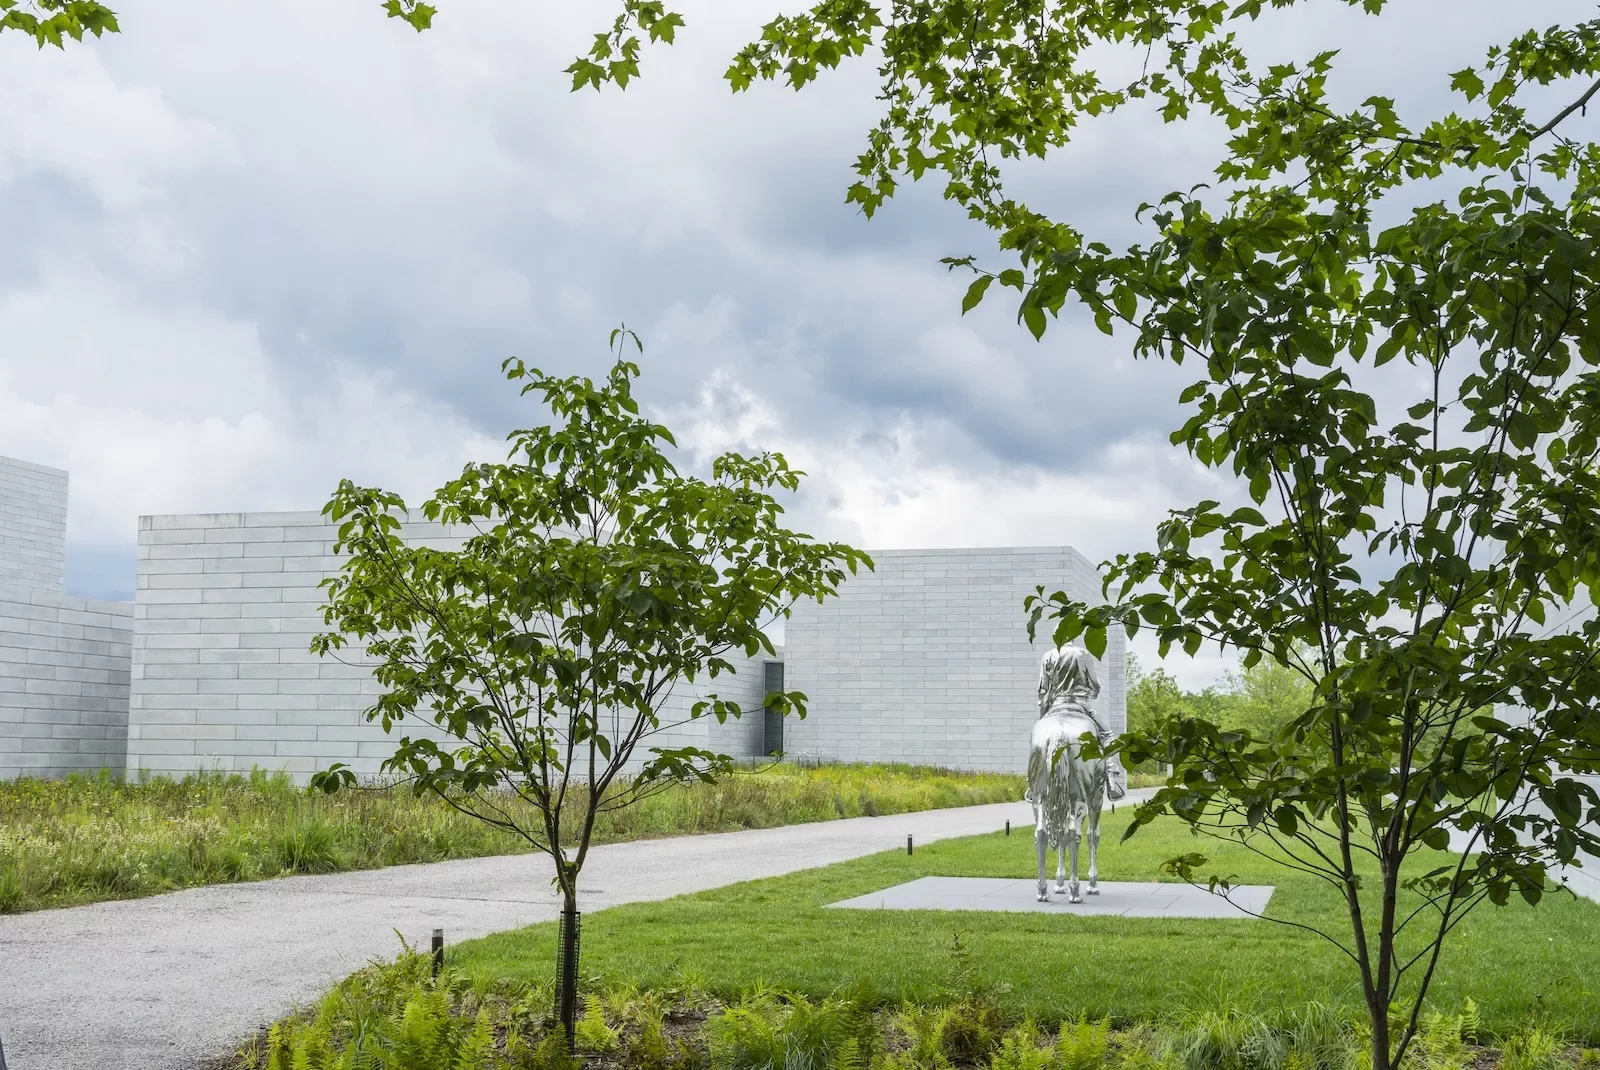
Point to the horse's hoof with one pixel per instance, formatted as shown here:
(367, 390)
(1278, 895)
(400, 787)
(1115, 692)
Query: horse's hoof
(1060, 888)
(1043, 897)
(1092, 890)
(1074, 898)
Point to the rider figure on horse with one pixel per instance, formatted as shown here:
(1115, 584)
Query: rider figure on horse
(1067, 683)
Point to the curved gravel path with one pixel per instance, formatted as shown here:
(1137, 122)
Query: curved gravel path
(168, 982)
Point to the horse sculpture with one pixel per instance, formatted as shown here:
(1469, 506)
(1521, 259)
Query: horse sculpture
(1065, 788)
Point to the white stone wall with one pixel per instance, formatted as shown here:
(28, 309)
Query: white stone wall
(33, 526)
(927, 659)
(64, 664)
(746, 736)
(223, 678)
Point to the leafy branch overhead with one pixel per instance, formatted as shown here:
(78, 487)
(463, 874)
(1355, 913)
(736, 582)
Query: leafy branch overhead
(52, 22)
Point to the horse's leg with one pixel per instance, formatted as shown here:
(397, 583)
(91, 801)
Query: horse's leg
(1094, 846)
(1092, 830)
(1073, 835)
(1041, 843)
(1061, 866)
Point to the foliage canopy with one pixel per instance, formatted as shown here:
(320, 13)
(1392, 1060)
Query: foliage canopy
(51, 22)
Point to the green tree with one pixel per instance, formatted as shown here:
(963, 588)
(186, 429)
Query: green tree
(1391, 321)
(592, 581)
(1153, 697)
(1261, 699)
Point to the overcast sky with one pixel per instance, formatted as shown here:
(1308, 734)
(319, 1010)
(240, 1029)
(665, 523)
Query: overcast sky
(248, 250)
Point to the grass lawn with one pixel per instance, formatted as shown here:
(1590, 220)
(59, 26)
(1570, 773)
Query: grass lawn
(1521, 964)
(84, 839)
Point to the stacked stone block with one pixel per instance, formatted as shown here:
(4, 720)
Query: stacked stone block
(225, 609)
(927, 660)
(33, 526)
(64, 664)
(64, 660)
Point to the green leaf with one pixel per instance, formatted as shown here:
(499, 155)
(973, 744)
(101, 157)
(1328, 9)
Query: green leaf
(1033, 316)
(1467, 82)
(417, 15)
(975, 292)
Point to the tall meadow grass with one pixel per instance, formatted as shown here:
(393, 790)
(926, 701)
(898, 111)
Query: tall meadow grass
(84, 839)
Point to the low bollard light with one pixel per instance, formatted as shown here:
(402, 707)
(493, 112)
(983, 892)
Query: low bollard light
(438, 952)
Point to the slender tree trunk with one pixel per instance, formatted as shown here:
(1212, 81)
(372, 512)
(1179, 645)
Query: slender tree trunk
(567, 964)
(1384, 990)
(1380, 1033)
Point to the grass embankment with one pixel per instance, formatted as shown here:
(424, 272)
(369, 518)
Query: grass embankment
(1521, 964)
(82, 840)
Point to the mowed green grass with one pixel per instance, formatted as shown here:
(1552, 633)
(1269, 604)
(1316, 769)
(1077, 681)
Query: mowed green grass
(1521, 964)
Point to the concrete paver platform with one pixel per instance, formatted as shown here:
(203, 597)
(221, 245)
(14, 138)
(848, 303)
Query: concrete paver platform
(1116, 898)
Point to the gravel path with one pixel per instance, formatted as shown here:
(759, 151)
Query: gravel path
(167, 982)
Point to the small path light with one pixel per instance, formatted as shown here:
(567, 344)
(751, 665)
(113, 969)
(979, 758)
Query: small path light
(908, 845)
(438, 951)
(1008, 828)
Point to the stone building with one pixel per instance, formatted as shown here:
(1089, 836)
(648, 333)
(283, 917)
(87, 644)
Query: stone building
(925, 661)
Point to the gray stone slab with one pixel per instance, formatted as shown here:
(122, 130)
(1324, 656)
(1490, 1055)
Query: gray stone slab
(1117, 898)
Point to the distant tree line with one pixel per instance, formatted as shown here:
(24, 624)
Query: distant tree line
(1260, 699)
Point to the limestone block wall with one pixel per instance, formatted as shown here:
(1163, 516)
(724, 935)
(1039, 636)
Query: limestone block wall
(746, 736)
(64, 666)
(33, 526)
(927, 659)
(225, 609)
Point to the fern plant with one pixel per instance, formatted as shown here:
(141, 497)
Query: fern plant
(771, 1031)
(593, 1034)
(1020, 1050)
(1082, 1044)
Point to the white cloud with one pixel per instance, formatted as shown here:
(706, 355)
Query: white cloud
(177, 409)
(62, 113)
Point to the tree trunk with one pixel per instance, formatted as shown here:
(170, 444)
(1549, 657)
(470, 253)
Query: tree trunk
(1380, 1037)
(567, 966)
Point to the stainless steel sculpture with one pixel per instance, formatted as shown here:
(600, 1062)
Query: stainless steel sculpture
(1065, 788)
